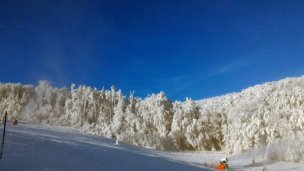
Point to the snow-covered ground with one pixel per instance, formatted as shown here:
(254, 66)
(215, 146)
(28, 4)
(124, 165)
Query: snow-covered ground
(39, 148)
(237, 163)
(30, 147)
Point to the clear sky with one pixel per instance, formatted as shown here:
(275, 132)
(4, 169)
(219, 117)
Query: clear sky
(186, 48)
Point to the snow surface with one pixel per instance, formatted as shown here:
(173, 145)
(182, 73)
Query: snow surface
(32, 147)
(35, 147)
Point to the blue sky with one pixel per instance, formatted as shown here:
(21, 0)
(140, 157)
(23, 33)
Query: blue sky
(186, 48)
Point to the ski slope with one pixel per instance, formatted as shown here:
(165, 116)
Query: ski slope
(35, 147)
(32, 147)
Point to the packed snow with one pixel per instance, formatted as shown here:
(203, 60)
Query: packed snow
(35, 147)
(267, 117)
(30, 147)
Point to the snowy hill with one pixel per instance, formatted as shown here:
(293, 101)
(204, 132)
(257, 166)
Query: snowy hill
(269, 115)
(35, 147)
(31, 147)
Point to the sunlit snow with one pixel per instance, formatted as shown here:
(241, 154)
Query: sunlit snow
(30, 147)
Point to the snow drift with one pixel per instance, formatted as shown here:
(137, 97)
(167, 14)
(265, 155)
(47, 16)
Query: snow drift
(269, 114)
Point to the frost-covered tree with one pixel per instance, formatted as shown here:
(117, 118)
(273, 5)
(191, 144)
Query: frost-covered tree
(183, 126)
(119, 122)
(13, 97)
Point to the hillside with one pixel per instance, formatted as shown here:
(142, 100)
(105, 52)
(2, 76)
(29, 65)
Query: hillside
(271, 114)
(33, 147)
